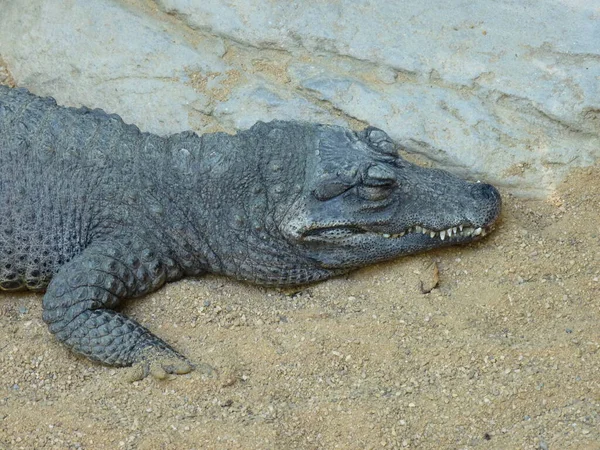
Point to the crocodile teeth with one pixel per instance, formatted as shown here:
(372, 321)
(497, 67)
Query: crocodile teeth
(451, 232)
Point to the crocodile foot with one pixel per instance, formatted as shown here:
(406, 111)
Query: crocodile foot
(160, 362)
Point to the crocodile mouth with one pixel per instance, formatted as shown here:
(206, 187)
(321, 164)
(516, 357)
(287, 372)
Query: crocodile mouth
(451, 234)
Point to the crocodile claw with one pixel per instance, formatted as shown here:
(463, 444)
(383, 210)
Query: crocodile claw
(159, 363)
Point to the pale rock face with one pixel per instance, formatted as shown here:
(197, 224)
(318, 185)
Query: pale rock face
(504, 91)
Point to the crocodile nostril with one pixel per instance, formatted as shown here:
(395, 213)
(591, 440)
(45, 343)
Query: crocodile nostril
(483, 191)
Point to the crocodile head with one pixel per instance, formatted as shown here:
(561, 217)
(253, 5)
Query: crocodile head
(362, 203)
(299, 202)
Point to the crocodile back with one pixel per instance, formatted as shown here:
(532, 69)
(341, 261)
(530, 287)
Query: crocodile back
(55, 175)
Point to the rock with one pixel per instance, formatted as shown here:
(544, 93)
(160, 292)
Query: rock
(5, 76)
(248, 104)
(464, 85)
(429, 278)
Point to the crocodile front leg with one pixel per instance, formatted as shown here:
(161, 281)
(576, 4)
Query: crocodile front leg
(78, 307)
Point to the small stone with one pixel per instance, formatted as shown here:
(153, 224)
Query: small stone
(430, 278)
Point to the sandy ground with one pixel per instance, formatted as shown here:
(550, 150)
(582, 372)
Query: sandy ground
(503, 354)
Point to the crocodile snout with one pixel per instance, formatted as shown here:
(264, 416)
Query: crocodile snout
(489, 200)
(485, 192)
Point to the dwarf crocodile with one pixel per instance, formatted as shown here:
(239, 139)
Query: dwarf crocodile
(93, 211)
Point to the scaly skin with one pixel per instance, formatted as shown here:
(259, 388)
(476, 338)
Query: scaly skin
(93, 211)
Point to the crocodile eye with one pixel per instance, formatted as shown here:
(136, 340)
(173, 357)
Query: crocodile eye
(379, 175)
(374, 193)
(378, 182)
(380, 140)
(330, 189)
